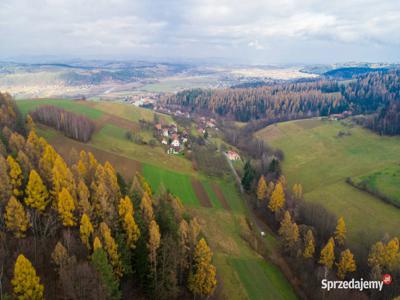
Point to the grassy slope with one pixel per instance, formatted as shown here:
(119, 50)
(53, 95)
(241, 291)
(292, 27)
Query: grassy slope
(245, 274)
(237, 264)
(178, 183)
(385, 182)
(321, 161)
(128, 112)
(112, 138)
(70, 105)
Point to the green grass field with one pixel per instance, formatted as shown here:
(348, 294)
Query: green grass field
(179, 184)
(256, 272)
(75, 106)
(246, 275)
(320, 160)
(127, 111)
(385, 182)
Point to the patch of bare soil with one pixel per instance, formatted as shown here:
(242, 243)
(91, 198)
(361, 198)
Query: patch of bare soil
(201, 193)
(220, 196)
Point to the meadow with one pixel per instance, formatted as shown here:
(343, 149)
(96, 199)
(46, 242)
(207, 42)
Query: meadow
(320, 157)
(384, 183)
(71, 105)
(243, 273)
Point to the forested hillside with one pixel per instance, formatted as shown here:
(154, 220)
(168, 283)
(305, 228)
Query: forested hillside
(286, 101)
(376, 92)
(79, 232)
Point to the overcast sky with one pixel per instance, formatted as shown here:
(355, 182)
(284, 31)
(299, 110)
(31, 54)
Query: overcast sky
(248, 31)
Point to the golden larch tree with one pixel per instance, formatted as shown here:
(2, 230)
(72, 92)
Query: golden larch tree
(103, 206)
(194, 231)
(5, 185)
(16, 218)
(261, 189)
(83, 196)
(30, 124)
(146, 208)
(297, 191)
(66, 207)
(340, 232)
(33, 147)
(277, 200)
(24, 162)
(392, 255)
(125, 206)
(112, 249)
(16, 176)
(145, 185)
(97, 244)
(85, 230)
(328, 254)
(289, 231)
(346, 264)
(111, 182)
(36, 192)
(131, 229)
(376, 257)
(309, 242)
(152, 245)
(46, 163)
(26, 284)
(62, 178)
(183, 247)
(125, 211)
(59, 256)
(16, 142)
(202, 280)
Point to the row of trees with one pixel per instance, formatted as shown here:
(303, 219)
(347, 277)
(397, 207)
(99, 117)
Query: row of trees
(321, 246)
(72, 125)
(106, 239)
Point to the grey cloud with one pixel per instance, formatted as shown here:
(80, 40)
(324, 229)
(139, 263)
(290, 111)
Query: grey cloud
(262, 31)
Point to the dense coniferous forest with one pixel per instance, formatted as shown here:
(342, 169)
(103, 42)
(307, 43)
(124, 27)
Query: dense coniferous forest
(376, 93)
(287, 100)
(78, 231)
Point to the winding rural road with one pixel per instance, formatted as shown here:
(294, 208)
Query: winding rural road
(256, 220)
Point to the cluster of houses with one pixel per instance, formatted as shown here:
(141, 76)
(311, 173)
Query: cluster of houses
(204, 123)
(168, 111)
(171, 138)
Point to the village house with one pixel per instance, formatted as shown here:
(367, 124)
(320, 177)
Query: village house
(175, 143)
(165, 132)
(232, 155)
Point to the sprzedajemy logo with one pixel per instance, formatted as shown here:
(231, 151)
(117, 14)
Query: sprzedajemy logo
(356, 284)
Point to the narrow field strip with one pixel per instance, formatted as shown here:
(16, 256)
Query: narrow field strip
(220, 195)
(201, 193)
(211, 194)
